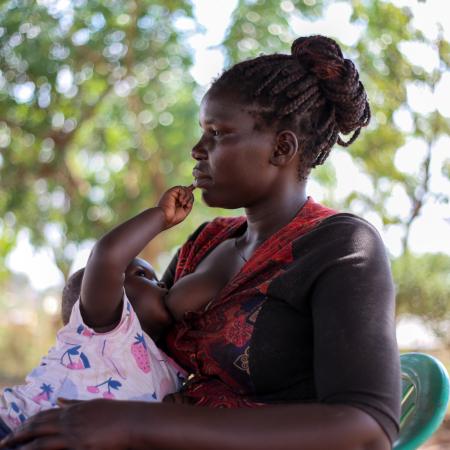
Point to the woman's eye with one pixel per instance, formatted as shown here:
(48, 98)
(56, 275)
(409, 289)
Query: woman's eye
(216, 133)
(140, 273)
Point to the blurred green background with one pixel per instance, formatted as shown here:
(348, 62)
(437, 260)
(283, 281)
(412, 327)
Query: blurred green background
(98, 113)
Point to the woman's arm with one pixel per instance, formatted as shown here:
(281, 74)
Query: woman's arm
(356, 358)
(102, 286)
(283, 427)
(118, 425)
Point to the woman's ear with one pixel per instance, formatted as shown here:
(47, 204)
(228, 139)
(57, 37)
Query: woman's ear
(285, 149)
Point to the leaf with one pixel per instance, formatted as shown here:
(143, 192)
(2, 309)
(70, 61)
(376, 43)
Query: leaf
(74, 350)
(85, 360)
(15, 407)
(114, 384)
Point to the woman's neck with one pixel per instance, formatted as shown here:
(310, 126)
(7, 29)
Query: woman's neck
(267, 217)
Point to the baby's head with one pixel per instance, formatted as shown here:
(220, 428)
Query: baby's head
(147, 296)
(145, 292)
(71, 294)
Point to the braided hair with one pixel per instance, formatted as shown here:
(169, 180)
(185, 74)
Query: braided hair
(315, 91)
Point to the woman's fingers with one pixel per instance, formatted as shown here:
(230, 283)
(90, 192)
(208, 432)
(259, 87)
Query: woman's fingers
(44, 423)
(64, 402)
(47, 443)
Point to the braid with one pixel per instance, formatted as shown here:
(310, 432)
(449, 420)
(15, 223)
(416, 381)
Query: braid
(289, 79)
(307, 82)
(330, 135)
(315, 90)
(267, 81)
(302, 102)
(252, 66)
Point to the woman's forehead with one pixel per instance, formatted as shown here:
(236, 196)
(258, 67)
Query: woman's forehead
(218, 107)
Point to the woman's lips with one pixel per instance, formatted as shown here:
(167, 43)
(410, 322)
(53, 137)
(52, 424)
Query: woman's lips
(202, 182)
(201, 179)
(199, 174)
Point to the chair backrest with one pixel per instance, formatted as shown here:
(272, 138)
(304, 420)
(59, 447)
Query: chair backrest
(425, 396)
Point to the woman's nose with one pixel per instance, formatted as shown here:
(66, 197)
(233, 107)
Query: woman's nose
(199, 151)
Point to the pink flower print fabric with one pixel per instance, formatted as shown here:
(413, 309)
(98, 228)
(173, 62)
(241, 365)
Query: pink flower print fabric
(122, 364)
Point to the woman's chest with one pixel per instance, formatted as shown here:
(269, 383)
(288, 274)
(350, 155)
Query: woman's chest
(254, 342)
(195, 291)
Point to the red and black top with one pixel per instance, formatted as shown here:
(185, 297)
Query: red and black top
(309, 318)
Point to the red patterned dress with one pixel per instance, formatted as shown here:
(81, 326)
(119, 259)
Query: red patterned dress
(304, 308)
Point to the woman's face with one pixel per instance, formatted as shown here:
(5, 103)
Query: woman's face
(233, 166)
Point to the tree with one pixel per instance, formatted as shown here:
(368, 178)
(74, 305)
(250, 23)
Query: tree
(423, 286)
(96, 116)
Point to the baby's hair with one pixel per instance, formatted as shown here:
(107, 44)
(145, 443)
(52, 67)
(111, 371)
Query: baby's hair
(315, 91)
(70, 294)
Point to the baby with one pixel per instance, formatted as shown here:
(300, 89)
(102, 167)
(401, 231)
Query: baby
(113, 310)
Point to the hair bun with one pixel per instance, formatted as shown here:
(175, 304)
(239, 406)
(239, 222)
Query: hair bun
(320, 55)
(339, 81)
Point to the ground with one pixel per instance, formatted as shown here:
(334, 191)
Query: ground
(441, 440)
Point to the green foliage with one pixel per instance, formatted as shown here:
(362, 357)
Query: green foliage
(423, 287)
(259, 27)
(96, 116)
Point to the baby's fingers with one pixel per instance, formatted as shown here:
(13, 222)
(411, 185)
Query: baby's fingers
(187, 196)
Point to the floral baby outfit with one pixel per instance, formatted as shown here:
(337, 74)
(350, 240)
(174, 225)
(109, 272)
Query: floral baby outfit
(122, 364)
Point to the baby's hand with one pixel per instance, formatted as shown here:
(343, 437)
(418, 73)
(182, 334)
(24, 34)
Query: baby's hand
(177, 204)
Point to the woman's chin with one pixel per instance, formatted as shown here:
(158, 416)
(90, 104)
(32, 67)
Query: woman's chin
(213, 200)
(209, 198)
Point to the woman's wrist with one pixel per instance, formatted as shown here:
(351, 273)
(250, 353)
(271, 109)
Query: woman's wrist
(165, 220)
(153, 425)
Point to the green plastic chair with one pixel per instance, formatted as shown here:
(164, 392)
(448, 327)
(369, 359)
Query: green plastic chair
(425, 396)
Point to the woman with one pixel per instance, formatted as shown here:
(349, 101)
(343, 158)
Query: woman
(291, 341)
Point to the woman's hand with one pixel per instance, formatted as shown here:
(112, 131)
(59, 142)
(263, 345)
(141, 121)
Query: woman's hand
(176, 204)
(99, 424)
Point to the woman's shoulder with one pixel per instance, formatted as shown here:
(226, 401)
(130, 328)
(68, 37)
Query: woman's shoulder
(346, 233)
(348, 218)
(348, 224)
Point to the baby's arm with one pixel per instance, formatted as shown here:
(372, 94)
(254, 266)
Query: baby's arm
(103, 280)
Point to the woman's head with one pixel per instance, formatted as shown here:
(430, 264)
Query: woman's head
(315, 92)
